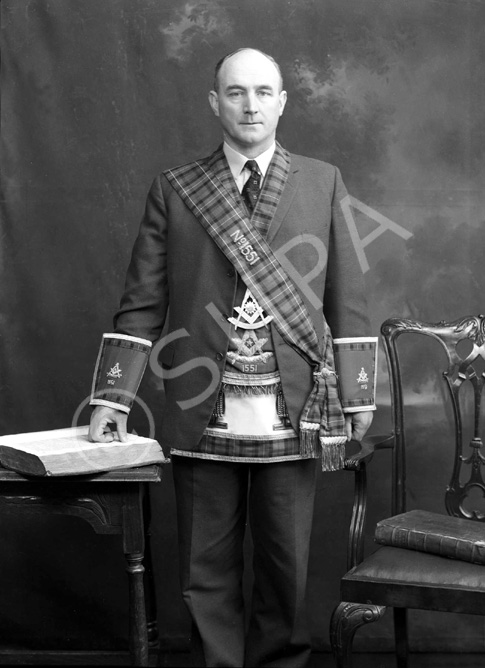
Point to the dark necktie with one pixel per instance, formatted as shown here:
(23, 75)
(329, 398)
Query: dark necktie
(250, 192)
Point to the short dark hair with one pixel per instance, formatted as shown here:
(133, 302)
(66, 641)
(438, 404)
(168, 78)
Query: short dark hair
(233, 53)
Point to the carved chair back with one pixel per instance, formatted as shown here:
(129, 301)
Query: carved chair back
(465, 367)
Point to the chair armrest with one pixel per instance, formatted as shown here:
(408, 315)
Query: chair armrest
(357, 462)
(368, 446)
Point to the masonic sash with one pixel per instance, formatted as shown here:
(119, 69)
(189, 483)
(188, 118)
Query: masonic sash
(242, 240)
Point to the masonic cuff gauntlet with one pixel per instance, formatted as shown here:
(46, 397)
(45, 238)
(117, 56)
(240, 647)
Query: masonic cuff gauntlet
(121, 362)
(356, 366)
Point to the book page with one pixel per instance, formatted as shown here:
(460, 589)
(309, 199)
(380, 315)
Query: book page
(64, 441)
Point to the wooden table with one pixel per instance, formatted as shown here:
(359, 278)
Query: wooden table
(115, 502)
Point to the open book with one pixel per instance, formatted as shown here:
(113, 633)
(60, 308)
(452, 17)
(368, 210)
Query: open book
(68, 452)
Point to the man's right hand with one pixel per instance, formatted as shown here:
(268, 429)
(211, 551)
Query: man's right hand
(102, 417)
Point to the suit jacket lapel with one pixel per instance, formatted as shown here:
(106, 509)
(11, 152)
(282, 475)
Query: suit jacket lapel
(272, 190)
(284, 204)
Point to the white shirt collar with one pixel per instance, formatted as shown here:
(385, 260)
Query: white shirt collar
(237, 161)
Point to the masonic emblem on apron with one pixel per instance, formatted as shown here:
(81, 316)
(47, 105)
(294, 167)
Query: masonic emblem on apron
(249, 347)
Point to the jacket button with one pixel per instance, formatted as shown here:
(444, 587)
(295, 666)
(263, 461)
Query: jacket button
(219, 356)
(231, 273)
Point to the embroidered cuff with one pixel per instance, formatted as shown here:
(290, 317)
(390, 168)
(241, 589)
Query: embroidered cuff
(356, 366)
(121, 362)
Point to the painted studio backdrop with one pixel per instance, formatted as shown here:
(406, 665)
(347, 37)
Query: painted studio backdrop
(98, 97)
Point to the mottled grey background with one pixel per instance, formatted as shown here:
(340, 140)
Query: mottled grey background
(100, 96)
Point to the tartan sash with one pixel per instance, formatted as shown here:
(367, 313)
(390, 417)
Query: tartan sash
(209, 191)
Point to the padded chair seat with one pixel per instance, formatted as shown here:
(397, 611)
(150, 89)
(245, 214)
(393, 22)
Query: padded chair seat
(409, 579)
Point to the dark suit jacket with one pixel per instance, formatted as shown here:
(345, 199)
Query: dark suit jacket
(175, 263)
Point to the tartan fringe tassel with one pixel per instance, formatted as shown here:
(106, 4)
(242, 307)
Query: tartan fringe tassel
(333, 453)
(332, 447)
(322, 422)
(309, 438)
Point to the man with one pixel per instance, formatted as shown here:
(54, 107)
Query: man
(239, 251)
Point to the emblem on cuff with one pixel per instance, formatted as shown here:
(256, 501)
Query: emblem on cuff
(363, 378)
(115, 372)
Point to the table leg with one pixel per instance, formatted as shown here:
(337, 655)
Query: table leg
(134, 550)
(150, 591)
(138, 621)
(150, 596)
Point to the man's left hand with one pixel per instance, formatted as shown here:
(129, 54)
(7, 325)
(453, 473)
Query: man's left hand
(357, 424)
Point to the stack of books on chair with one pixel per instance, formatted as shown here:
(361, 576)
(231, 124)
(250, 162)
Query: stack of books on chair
(452, 537)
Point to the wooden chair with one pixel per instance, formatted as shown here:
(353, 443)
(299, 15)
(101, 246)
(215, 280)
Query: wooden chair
(116, 502)
(406, 578)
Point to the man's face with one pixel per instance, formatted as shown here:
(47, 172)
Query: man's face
(249, 102)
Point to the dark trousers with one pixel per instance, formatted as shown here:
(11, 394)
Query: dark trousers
(212, 502)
